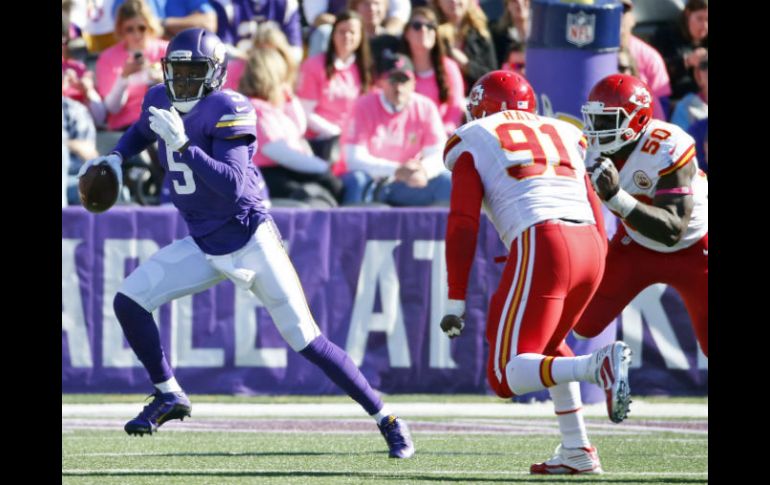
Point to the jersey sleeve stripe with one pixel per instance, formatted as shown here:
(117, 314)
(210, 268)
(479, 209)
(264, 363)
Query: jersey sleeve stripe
(451, 143)
(583, 142)
(227, 124)
(686, 157)
(245, 116)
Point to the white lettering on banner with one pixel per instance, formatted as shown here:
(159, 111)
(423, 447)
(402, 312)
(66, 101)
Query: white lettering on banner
(703, 361)
(647, 303)
(73, 321)
(183, 354)
(440, 350)
(378, 266)
(116, 252)
(246, 328)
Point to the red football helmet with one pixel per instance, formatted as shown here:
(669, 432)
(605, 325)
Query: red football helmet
(498, 91)
(619, 107)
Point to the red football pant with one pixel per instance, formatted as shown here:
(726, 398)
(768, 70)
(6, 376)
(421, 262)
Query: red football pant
(632, 268)
(551, 274)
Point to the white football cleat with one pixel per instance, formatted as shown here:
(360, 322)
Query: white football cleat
(609, 366)
(570, 461)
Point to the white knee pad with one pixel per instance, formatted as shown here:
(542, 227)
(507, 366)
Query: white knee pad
(523, 373)
(295, 324)
(177, 270)
(141, 282)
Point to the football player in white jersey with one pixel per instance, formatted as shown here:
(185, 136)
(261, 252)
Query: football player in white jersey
(646, 172)
(528, 172)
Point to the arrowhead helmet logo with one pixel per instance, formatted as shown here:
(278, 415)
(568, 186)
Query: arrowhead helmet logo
(477, 93)
(641, 96)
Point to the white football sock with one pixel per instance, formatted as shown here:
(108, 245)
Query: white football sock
(567, 369)
(535, 372)
(170, 385)
(568, 407)
(383, 413)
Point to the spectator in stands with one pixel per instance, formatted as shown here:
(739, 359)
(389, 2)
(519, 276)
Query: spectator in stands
(268, 34)
(177, 15)
(694, 106)
(77, 81)
(65, 160)
(237, 22)
(700, 133)
(287, 163)
(330, 83)
(373, 14)
(437, 76)
(98, 30)
(510, 35)
(80, 143)
(382, 16)
(394, 142)
(517, 60)
(647, 61)
(126, 70)
(683, 48)
(468, 41)
(626, 64)
(320, 16)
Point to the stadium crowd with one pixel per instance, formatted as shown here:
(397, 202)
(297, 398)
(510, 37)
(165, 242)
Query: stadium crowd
(354, 98)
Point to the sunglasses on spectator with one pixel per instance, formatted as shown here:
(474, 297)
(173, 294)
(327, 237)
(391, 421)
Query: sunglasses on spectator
(703, 66)
(133, 28)
(418, 25)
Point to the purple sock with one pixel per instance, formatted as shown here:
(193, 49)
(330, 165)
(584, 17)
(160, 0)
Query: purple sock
(336, 364)
(143, 336)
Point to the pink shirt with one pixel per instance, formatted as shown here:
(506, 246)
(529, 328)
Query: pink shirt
(235, 68)
(399, 136)
(652, 70)
(335, 96)
(451, 110)
(278, 123)
(80, 69)
(109, 67)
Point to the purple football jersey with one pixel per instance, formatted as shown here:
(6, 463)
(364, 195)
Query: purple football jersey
(221, 200)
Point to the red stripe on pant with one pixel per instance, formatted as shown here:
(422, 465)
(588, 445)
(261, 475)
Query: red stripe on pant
(566, 270)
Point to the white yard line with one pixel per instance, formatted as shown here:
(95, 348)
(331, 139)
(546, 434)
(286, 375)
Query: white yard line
(640, 409)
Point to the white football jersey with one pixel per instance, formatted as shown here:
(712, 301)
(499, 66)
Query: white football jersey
(531, 167)
(662, 149)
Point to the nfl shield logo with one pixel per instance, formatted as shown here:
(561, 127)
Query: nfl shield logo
(580, 28)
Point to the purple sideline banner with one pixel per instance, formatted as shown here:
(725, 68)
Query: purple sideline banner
(375, 282)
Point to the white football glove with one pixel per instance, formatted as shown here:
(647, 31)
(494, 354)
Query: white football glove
(453, 322)
(114, 160)
(169, 126)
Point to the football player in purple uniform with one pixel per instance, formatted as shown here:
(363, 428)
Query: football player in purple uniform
(206, 138)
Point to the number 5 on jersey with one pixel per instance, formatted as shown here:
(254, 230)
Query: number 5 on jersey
(187, 186)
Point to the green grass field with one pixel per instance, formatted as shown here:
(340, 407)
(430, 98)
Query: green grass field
(210, 450)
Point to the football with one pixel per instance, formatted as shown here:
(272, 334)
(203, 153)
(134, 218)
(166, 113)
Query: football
(98, 188)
